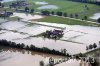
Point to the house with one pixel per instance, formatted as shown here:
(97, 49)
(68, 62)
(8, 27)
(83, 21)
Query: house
(5, 14)
(54, 34)
(18, 4)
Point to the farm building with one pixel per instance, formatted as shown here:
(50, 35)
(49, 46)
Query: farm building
(5, 14)
(55, 34)
(18, 4)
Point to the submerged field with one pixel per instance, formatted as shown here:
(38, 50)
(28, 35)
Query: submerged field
(77, 33)
(24, 32)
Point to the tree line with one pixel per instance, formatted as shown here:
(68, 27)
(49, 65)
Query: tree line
(92, 46)
(88, 1)
(63, 14)
(31, 48)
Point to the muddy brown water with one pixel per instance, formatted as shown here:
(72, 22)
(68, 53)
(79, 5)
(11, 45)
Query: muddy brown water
(18, 57)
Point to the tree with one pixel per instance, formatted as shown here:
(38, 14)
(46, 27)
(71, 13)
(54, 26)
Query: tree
(94, 45)
(47, 13)
(27, 47)
(63, 51)
(87, 47)
(76, 15)
(85, 17)
(65, 14)
(52, 13)
(41, 63)
(71, 15)
(99, 44)
(32, 47)
(22, 45)
(98, 20)
(26, 9)
(32, 10)
(90, 46)
(59, 13)
(0, 4)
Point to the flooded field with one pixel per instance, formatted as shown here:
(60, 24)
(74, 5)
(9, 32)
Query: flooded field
(48, 7)
(17, 57)
(41, 3)
(95, 16)
(74, 36)
(7, 1)
(26, 17)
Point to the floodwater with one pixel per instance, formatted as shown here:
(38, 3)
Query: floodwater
(17, 57)
(2, 20)
(7, 1)
(48, 7)
(75, 38)
(26, 17)
(41, 3)
(85, 34)
(95, 16)
(70, 62)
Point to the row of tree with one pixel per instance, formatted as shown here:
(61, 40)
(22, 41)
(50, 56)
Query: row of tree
(63, 14)
(97, 2)
(92, 46)
(59, 13)
(26, 9)
(31, 47)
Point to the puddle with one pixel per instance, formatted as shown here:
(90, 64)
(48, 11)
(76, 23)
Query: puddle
(12, 25)
(7, 1)
(26, 17)
(48, 7)
(41, 3)
(95, 16)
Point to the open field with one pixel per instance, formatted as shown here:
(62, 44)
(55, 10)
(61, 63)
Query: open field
(65, 6)
(70, 7)
(61, 20)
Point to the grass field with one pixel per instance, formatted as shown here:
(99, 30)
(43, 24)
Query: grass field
(61, 20)
(70, 7)
(67, 6)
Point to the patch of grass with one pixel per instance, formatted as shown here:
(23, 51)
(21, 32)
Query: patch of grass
(61, 20)
(12, 18)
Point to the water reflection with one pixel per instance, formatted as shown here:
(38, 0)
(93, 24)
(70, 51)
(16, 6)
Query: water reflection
(22, 51)
(19, 57)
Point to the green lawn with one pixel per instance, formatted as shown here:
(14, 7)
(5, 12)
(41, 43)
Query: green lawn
(61, 20)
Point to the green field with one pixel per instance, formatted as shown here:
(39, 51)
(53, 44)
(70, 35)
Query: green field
(61, 20)
(64, 6)
(67, 6)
